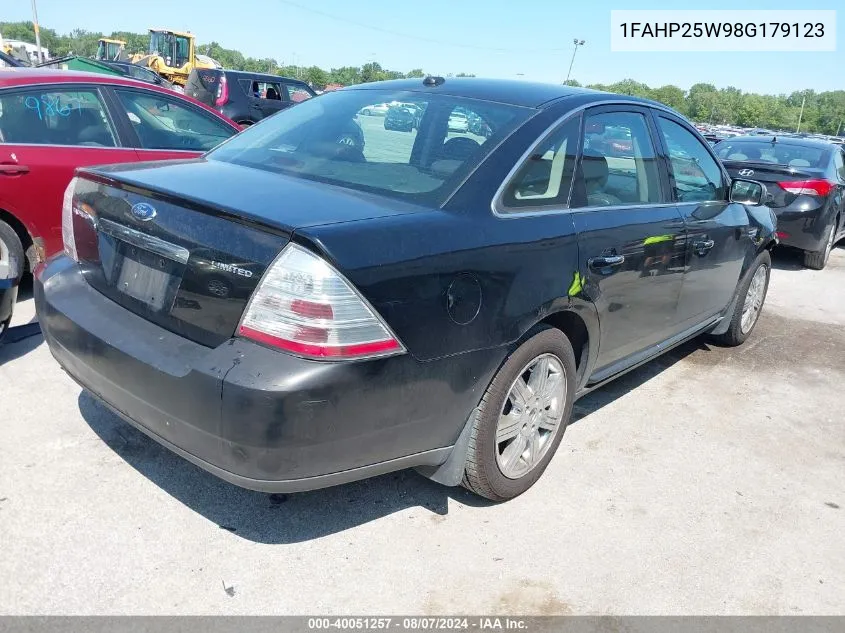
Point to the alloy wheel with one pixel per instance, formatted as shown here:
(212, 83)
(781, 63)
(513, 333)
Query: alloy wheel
(754, 299)
(531, 416)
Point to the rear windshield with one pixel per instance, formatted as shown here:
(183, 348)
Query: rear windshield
(345, 138)
(775, 153)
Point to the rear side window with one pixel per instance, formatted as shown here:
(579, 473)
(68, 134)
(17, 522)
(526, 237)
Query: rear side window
(164, 123)
(346, 138)
(55, 117)
(297, 93)
(618, 164)
(697, 175)
(545, 179)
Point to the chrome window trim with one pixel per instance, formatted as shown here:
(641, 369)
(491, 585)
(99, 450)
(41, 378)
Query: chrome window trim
(110, 147)
(499, 209)
(148, 242)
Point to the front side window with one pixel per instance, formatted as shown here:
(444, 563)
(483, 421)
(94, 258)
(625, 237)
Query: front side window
(55, 117)
(164, 123)
(347, 138)
(697, 175)
(618, 163)
(839, 162)
(545, 179)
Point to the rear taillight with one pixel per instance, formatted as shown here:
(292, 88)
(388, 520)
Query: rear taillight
(79, 221)
(305, 306)
(222, 96)
(67, 219)
(815, 187)
(782, 235)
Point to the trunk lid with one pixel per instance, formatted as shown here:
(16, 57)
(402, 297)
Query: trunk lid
(771, 175)
(189, 261)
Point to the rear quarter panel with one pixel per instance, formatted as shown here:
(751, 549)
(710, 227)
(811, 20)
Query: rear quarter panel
(448, 284)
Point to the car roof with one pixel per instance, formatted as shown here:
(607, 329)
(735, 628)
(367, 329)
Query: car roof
(510, 91)
(12, 77)
(29, 76)
(785, 140)
(248, 74)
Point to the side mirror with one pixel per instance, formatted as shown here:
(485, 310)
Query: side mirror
(747, 192)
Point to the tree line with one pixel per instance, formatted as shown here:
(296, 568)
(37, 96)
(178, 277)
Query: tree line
(824, 112)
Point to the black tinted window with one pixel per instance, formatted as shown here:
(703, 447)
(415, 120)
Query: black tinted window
(545, 179)
(777, 153)
(618, 164)
(341, 138)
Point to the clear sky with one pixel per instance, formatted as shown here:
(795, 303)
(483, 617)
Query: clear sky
(529, 39)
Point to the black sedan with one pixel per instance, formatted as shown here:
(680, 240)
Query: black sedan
(805, 180)
(437, 303)
(401, 118)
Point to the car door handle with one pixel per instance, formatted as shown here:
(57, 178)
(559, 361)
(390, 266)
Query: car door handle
(606, 261)
(701, 247)
(13, 169)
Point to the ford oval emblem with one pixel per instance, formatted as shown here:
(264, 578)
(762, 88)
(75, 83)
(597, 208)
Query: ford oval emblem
(143, 211)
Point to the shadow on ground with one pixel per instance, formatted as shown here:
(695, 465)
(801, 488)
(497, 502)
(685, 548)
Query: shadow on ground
(263, 517)
(304, 516)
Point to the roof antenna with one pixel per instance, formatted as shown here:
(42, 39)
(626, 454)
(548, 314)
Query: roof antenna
(433, 81)
(774, 139)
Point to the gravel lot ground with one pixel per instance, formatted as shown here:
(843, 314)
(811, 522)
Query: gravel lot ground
(707, 482)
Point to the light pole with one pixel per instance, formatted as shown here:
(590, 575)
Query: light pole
(37, 34)
(577, 43)
(801, 114)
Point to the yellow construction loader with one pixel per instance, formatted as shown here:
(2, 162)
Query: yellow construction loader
(111, 50)
(173, 56)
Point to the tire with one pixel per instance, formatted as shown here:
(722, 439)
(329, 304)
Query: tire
(12, 264)
(12, 257)
(366, 112)
(483, 473)
(737, 333)
(817, 260)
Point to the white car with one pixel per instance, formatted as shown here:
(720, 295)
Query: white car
(378, 109)
(458, 122)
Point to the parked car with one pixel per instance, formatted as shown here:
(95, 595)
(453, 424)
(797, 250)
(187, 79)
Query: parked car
(399, 118)
(53, 121)
(805, 180)
(141, 73)
(458, 122)
(440, 307)
(245, 97)
(375, 109)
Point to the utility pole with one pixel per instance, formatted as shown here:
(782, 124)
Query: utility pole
(577, 43)
(37, 34)
(801, 114)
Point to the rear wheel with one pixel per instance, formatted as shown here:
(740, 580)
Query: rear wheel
(817, 260)
(522, 417)
(11, 253)
(751, 296)
(11, 264)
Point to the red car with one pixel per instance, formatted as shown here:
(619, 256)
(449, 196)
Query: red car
(53, 121)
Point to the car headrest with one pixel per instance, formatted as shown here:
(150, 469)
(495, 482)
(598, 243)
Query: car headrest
(458, 148)
(595, 170)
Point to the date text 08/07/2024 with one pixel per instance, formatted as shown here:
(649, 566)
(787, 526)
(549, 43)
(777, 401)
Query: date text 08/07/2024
(418, 623)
